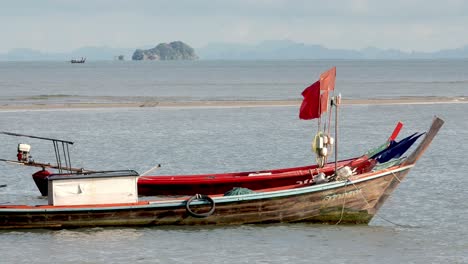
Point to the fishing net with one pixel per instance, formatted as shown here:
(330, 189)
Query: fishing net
(238, 191)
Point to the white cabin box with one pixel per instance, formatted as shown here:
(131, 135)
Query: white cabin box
(94, 188)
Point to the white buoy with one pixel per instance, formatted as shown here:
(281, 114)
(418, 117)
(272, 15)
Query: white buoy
(324, 152)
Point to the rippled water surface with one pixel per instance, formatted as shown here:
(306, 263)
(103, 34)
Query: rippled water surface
(52, 82)
(424, 221)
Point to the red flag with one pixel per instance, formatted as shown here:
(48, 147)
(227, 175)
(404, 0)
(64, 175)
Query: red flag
(323, 101)
(315, 100)
(310, 107)
(327, 80)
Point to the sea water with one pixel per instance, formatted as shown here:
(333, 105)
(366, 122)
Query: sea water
(52, 82)
(423, 221)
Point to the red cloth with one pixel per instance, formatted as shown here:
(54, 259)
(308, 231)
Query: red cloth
(324, 101)
(315, 100)
(327, 80)
(42, 174)
(310, 105)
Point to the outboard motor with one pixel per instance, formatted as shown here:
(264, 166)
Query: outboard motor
(23, 152)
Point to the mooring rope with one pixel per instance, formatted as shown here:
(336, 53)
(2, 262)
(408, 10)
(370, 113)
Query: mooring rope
(368, 204)
(344, 202)
(396, 177)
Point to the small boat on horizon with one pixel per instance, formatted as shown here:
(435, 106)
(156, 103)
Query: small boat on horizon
(82, 60)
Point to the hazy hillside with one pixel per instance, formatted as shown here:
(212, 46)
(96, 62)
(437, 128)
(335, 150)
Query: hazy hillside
(286, 49)
(266, 50)
(91, 53)
(176, 50)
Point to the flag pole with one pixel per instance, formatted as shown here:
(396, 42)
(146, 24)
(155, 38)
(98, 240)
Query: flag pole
(337, 103)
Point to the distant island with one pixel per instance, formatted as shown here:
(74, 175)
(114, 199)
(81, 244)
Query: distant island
(176, 50)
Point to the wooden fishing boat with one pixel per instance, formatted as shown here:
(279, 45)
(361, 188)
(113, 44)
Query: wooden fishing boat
(82, 60)
(313, 108)
(347, 191)
(351, 199)
(214, 183)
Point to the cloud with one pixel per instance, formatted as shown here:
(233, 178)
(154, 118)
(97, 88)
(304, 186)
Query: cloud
(53, 25)
(259, 8)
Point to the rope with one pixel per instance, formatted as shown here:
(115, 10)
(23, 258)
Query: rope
(344, 202)
(368, 204)
(396, 177)
(200, 197)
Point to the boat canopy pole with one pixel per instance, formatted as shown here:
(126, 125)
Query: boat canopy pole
(44, 138)
(66, 157)
(150, 170)
(64, 154)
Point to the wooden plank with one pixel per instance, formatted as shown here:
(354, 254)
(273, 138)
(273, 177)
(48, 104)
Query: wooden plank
(45, 165)
(434, 129)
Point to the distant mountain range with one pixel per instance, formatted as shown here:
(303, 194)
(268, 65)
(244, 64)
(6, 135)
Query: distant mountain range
(91, 53)
(266, 50)
(287, 50)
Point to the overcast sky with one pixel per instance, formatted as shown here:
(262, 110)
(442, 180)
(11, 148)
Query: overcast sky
(55, 26)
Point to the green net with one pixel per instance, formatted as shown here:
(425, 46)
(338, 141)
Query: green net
(388, 164)
(376, 150)
(238, 191)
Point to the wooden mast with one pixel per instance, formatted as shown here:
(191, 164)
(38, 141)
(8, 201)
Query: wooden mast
(336, 103)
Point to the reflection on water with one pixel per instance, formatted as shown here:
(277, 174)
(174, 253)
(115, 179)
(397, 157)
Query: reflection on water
(52, 82)
(292, 243)
(107, 235)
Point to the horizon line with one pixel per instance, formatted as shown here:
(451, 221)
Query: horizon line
(253, 45)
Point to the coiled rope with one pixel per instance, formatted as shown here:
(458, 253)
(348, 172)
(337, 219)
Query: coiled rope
(200, 197)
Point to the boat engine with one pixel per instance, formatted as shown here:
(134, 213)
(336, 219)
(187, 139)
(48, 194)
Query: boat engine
(24, 152)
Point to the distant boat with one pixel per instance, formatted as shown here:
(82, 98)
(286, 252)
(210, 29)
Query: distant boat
(82, 60)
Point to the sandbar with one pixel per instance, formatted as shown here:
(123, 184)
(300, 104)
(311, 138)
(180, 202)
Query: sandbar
(227, 103)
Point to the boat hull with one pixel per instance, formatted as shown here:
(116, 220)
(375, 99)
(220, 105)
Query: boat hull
(346, 202)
